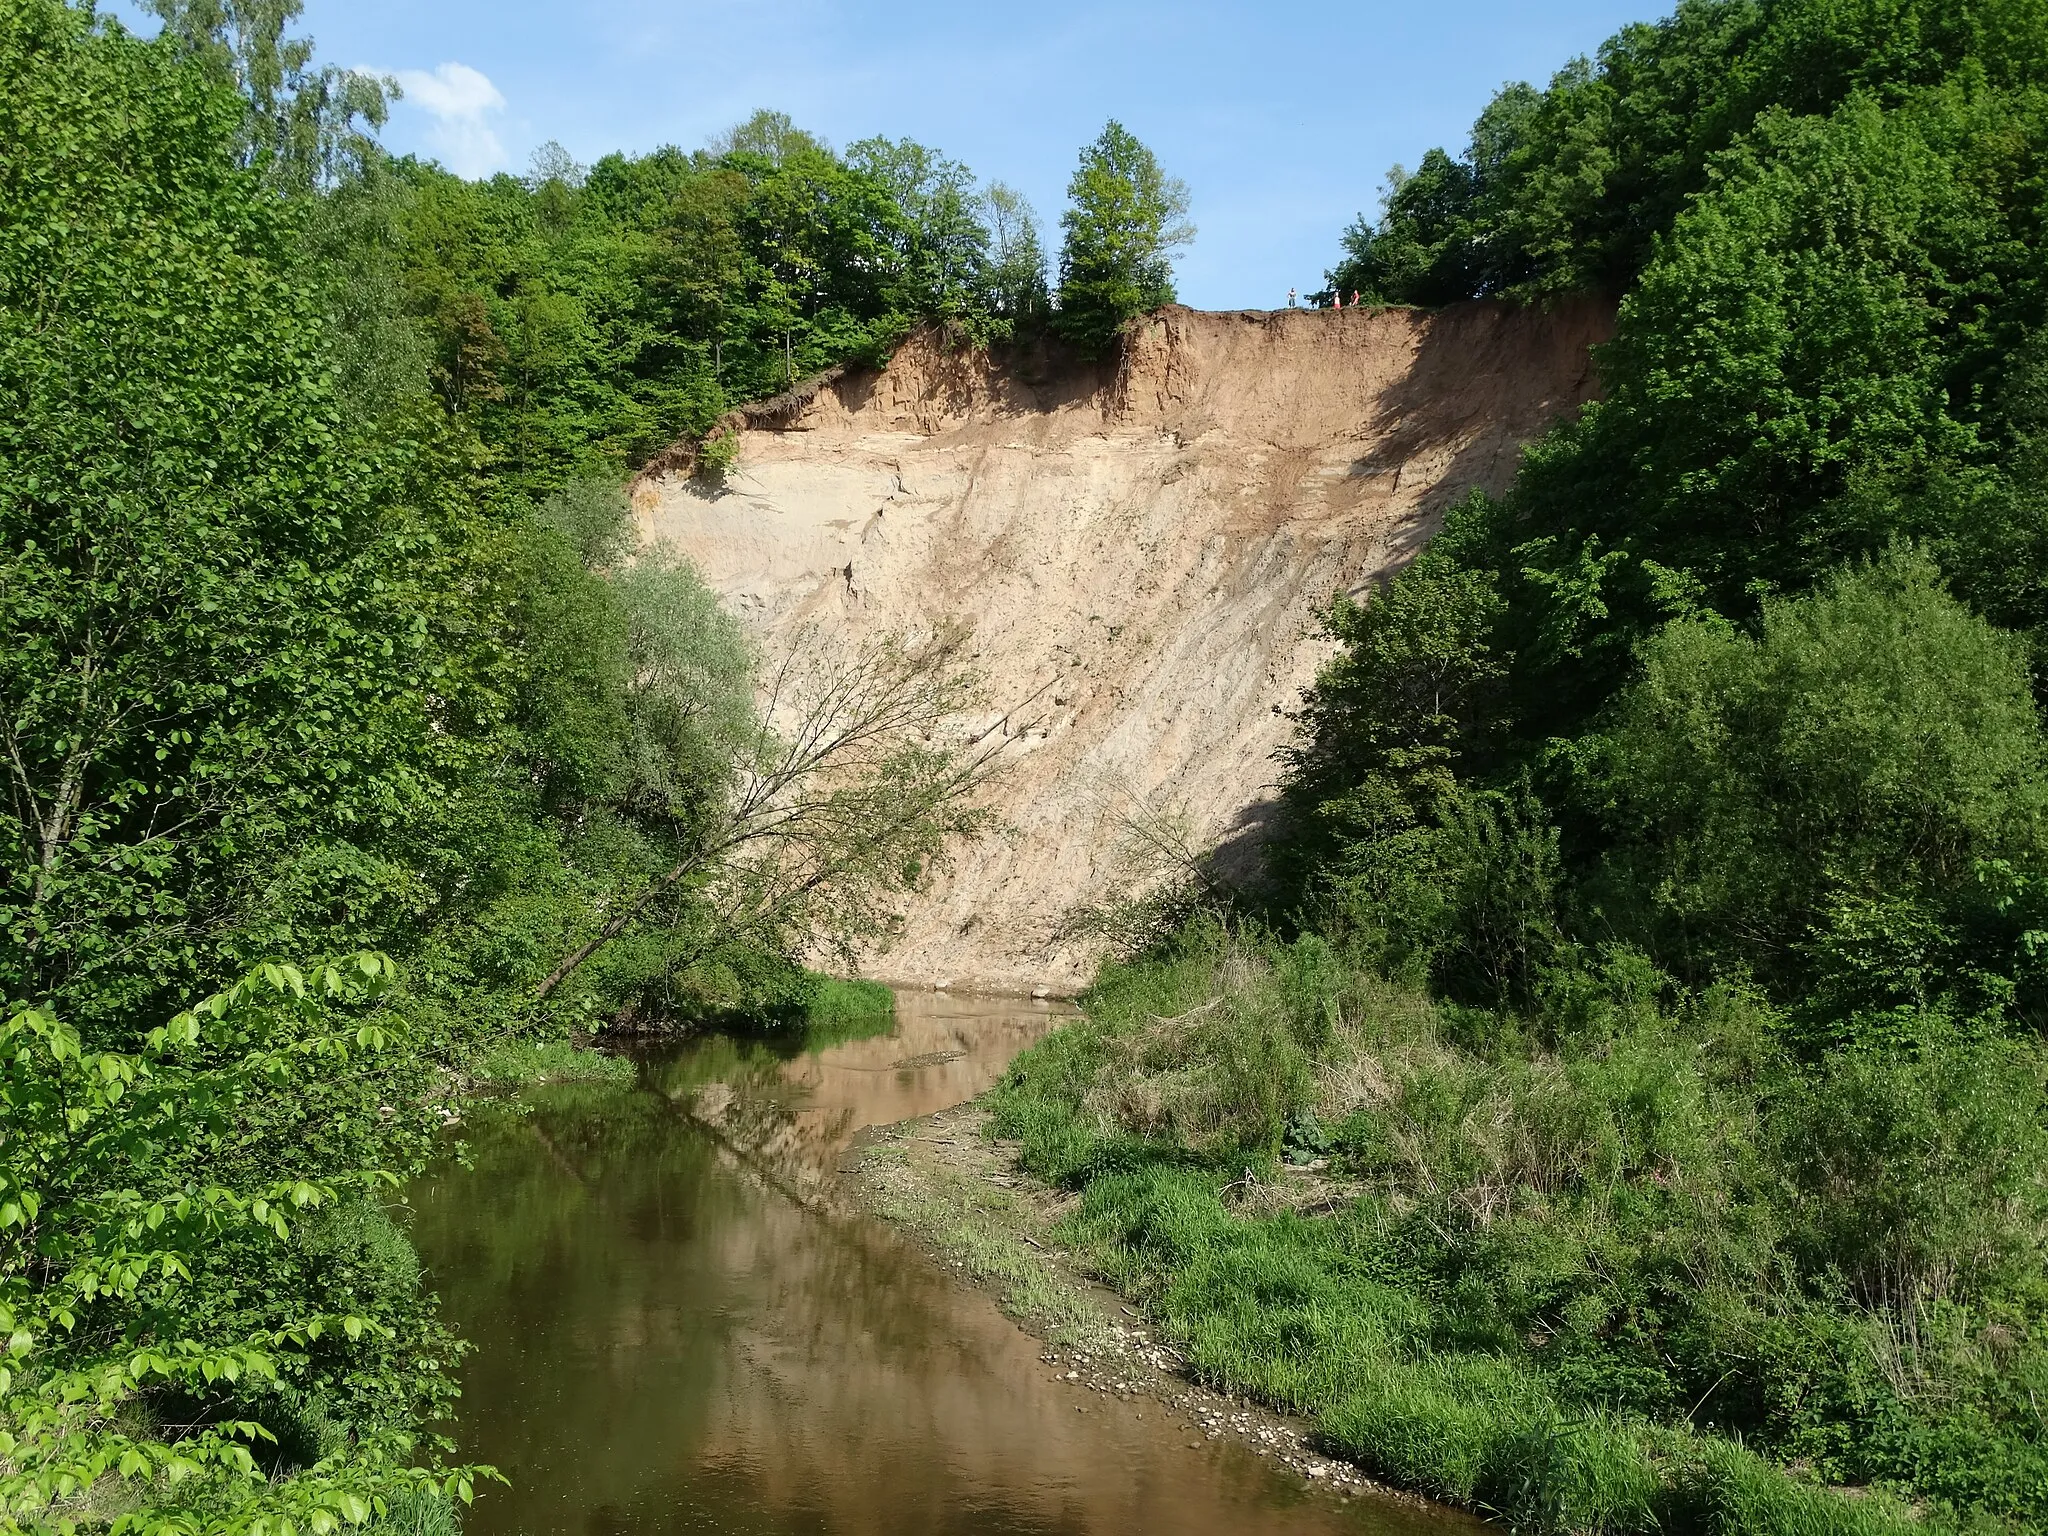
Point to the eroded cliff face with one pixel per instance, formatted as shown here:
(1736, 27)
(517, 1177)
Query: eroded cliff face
(1140, 548)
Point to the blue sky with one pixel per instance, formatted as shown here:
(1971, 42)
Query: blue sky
(1281, 117)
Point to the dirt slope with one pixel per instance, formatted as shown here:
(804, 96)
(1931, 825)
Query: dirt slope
(1140, 547)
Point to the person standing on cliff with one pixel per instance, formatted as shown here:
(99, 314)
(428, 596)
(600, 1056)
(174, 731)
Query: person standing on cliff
(1290, 298)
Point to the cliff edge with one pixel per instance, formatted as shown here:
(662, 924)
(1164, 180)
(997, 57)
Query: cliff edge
(1140, 548)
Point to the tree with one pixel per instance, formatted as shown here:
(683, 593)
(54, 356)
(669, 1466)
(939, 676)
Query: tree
(1017, 288)
(1800, 363)
(829, 280)
(703, 256)
(555, 178)
(301, 121)
(855, 785)
(222, 596)
(1125, 217)
(1568, 189)
(946, 254)
(770, 136)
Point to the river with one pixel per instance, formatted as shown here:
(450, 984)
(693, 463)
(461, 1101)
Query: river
(672, 1337)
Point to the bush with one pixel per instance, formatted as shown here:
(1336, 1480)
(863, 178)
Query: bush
(1921, 1175)
(1821, 804)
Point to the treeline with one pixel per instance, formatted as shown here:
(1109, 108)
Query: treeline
(346, 733)
(1652, 968)
(1570, 188)
(582, 319)
(579, 319)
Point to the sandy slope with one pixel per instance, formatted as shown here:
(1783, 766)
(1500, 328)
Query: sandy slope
(1139, 548)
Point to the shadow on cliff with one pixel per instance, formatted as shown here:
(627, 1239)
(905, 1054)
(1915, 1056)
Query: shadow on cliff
(1467, 393)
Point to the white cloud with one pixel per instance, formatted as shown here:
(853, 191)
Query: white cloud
(462, 101)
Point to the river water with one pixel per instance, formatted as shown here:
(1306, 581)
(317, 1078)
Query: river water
(672, 1335)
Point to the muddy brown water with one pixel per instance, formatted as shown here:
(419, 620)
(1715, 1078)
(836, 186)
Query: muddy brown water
(670, 1336)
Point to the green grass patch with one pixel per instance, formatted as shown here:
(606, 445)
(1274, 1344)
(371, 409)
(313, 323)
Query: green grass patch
(515, 1063)
(840, 1009)
(1578, 1286)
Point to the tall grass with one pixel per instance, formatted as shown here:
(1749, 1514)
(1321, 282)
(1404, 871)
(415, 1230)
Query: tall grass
(1627, 1264)
(838, 1008)
(520, 1061)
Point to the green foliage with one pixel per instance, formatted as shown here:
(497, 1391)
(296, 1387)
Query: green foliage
(1611, 1285)
(1124, 220)
(300, 122)
(317, 639)
(849, 1008)
(1700, 776)
(630, 708)
(228, 604)
(192, 1273)
(1569, 188)
(582, 320)
(520, 1062)
(1394, 849)
(1846, 806)
(1827, 355)
(1017, 288)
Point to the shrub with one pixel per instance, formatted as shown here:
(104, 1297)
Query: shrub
(1816, 804)
(1921, 1175)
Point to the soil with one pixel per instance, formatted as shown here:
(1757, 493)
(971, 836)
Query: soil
(1142, 548)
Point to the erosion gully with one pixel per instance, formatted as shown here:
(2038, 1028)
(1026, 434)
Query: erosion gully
(682, 1330)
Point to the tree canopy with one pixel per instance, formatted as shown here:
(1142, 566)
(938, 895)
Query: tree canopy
(1125, 218)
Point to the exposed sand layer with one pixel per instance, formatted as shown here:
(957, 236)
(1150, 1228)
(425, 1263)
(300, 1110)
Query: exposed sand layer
(1141, 549)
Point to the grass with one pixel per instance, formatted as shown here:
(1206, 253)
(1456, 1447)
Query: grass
(1585, 1275)
(517, 1062)
(839, 1009)
(972, 1225)
(419, 1511)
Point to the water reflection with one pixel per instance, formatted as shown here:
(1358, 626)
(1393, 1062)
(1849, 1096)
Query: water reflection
(667, 1341)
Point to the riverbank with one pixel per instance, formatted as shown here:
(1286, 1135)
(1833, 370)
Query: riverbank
(724, 1339)
(955, 1188)
(1464, 1272)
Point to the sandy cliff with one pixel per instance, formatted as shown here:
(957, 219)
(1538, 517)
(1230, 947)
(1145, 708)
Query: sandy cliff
(1140, 547)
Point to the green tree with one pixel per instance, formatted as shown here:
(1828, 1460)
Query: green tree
(1846, 805)
(704, 256)
(768, 135)
(1569, 188)
(1016, 276)
(947, 252)
(1795, 379)
(1125, 217)
(227, 601)
(301, 122)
